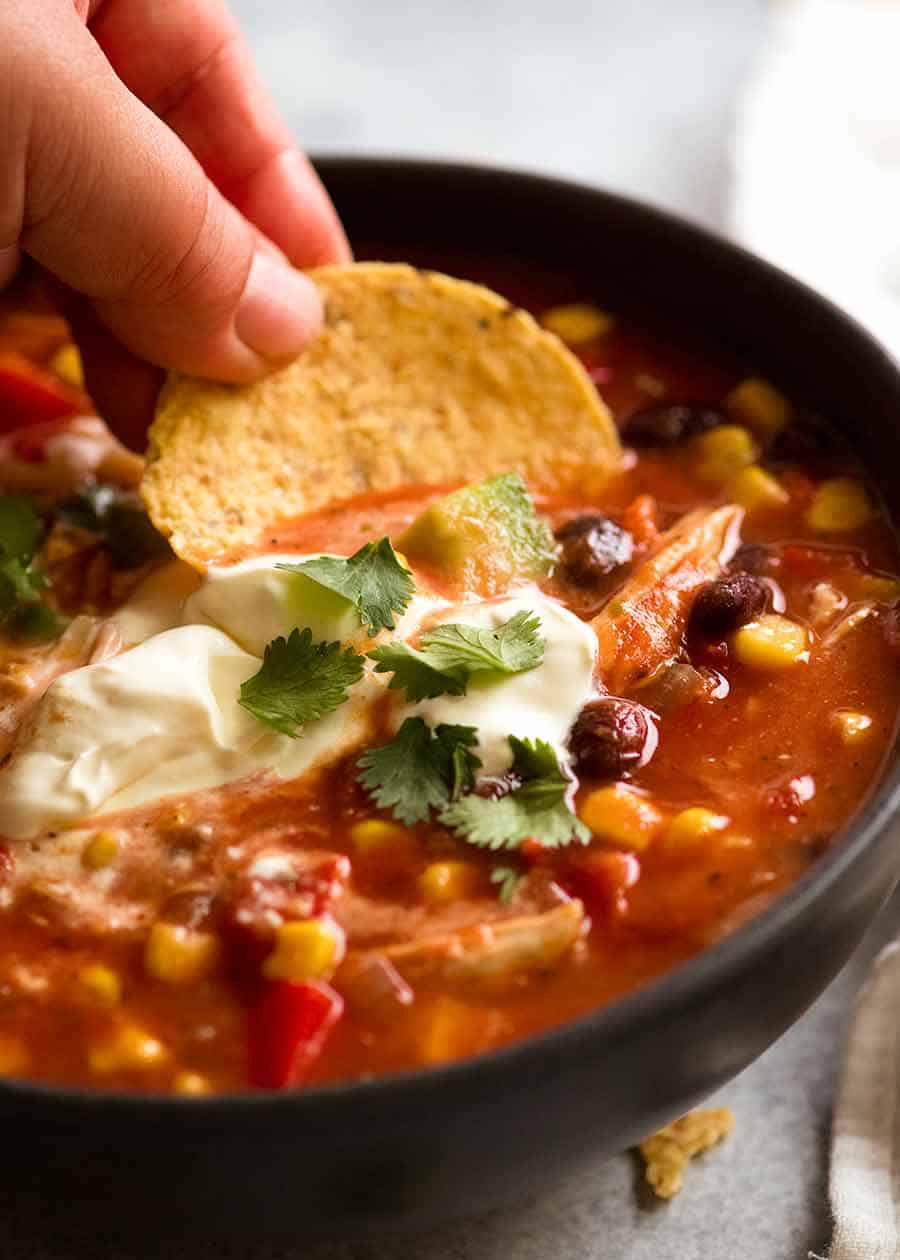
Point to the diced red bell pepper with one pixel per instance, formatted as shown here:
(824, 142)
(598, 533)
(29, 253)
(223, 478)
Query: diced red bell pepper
(30, 394)
(602, 878)
(29, 443)
(641, 519)
(287, 1028)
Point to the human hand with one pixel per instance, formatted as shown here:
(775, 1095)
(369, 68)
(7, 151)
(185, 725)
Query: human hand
(143, 164)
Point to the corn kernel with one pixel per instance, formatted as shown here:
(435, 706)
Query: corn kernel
(305, 951)
(448, 1031)
(129, 1049)
(851, 726)
(877, 586)
(840, 505)
(692, 826)
(180, 955)
(723, 452)
(760, 406)
(756, 490)
(621, 814)
(100, 984)
(192, 1084)
(67, 364)
(771, 642)
(374, 833)
(101, 850)
(577, 322)
(448, 881)
(14, 1056)
(651, 385)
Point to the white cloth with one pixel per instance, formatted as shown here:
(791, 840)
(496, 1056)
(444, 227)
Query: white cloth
(865, 1169)
(816, 189)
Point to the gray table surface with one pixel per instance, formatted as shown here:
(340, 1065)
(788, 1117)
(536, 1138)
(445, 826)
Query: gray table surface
(637, 96)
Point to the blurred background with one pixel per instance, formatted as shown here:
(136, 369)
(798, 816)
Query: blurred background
(637, 96)
(775, 120)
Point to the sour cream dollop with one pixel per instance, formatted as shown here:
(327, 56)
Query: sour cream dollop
(163, 717)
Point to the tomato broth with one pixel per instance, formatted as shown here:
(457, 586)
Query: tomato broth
(277, 933)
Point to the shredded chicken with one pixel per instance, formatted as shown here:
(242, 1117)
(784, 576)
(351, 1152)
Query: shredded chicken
(26, 675)
(640, 630)
(491, 955)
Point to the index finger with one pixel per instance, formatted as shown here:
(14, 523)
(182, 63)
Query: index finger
(187, 61)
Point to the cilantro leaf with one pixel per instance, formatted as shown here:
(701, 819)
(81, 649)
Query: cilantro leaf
(515, 646)
(458, 742)
(373, 579)
(22, 614)
(300, 681)
(420, 769)
(121, 522)
(21, 529)
(414, 672)
(452, 654)
(507, 877)
(38, 622)
(539, 807)
(19, 584)
(535, 759)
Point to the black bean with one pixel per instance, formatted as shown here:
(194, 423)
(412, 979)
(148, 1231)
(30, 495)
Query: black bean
(609, 738)
(754, 558)
(807, 440)
(592, 547)
(727, 603)
(670, 423)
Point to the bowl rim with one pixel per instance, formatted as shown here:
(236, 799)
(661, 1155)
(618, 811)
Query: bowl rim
(685, 984)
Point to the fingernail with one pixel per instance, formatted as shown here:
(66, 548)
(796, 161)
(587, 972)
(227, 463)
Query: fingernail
(280, 310)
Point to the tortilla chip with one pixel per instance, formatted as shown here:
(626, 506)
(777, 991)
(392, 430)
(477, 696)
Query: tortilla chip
(416, 378)
(668, 1152)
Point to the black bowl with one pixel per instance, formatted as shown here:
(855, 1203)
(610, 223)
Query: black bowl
(407, 1151)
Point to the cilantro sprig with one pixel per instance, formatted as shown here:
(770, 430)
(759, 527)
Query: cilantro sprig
(22, 611)
(373, 579)
(538, 807)
(120, 520)
(507, 879)
(420, 769)
(300, 681)
(450, 655)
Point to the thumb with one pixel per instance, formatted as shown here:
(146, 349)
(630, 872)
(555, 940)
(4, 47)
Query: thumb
(117, 208)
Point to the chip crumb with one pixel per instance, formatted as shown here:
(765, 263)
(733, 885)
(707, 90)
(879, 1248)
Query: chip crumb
(668, 1152)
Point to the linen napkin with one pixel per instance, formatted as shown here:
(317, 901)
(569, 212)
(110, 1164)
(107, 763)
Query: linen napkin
(816, 189)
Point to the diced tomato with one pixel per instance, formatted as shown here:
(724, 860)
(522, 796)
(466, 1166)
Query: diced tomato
(602, 878)
(532, 851)
(299, 884)
(30, 394)
(817, 561)
(287, 1029)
